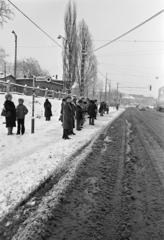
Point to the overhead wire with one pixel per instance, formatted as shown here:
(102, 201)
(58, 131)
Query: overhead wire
(131, 30)
(35, 24)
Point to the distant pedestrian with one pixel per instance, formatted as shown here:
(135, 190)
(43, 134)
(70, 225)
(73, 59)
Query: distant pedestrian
(101, 109)
(95, 101)
(107, 109)
(47, 110)
(21, 111)
(92, 109)
(9, 112)
(117, 106)
(79, 115)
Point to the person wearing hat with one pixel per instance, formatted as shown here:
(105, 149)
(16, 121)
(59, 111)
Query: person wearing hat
(47, 110)
(79, 115)
(92, 109)
(21, 111)
(10, 113)
(62, 109)
(67, 118)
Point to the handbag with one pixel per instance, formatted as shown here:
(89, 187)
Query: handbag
(3, 113)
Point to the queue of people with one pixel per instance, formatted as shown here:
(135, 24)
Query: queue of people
(73, 114)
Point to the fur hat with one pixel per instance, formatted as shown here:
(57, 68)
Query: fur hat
(8, 95)
(21, 100)
(68, 97)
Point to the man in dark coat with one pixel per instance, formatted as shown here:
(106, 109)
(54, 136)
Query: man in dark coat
(47, 112)
(73, 105)
(10, 113)
(62, 109)
(79, 115)
(92, 109)
(67, 118)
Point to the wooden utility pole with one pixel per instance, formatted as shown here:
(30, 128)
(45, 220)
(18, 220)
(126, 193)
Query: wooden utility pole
(117, 93)
(106, 81)
(109, 92)
(5, 71)
(33, 107)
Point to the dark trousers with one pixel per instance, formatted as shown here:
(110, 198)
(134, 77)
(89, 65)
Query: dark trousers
(78, 124)
(48, 118)
(65, 133)
(91, 120)
(20, 126)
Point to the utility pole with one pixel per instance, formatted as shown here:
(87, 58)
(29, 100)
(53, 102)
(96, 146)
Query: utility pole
(117, 93)
(5, 71)
(109, 92)
(106, 81)
(33, 103)
(15, 58)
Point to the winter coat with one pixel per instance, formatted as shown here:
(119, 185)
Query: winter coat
(73, 106)
(21, 111)
(79, 112)
(47, 107)
(10, 113)
(68, 122)
(102, 107)
(92, 109)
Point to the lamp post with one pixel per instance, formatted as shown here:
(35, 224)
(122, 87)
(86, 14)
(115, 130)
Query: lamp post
(15, 59)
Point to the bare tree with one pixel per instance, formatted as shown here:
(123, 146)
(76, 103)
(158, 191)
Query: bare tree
(30, 67)
(70, 44)
(5, 12)
(87, 62)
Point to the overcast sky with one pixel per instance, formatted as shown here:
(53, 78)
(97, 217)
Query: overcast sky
(137, 60)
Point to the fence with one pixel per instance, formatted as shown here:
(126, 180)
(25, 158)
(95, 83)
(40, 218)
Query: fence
(28, 90)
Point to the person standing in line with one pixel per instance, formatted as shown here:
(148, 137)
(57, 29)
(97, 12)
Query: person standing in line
(21, 111)
(62, 109)
(67, 118)
(48, 112)
(73, 106)
(9, 113)
(79, 115)
(92, 108)
(95, 101)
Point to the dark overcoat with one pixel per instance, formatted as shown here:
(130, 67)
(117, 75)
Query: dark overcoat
(68, 116)
(10, 113)
(92, 109)
(47, 107)
(79, 112)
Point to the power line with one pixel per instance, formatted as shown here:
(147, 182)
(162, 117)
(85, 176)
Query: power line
(36, 25)
(133, 41)
(131, 30)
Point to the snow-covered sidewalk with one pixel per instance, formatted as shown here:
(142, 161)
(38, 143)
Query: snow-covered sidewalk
(25, 161)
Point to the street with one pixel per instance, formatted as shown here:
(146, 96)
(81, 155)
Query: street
(116, 192)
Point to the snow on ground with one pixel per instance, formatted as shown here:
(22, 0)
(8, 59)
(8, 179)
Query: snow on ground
(25, 161)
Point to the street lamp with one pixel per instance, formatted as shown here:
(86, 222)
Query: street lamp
(15, 61)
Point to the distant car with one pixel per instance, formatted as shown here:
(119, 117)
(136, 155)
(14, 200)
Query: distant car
(141, 108)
